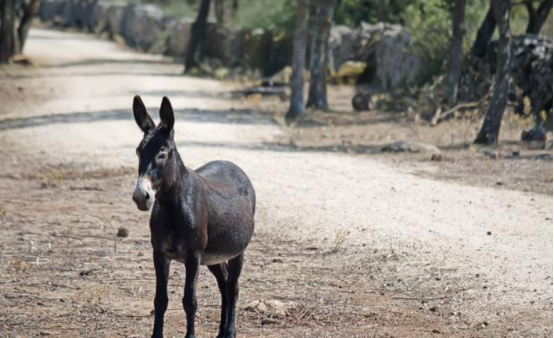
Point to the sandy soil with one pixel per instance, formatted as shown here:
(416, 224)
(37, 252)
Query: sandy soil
(351, 244)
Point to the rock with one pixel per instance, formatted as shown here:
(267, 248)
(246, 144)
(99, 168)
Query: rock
(394, 62)
(369, 34)
(114, 19)
(142, 27)
(87, 15)
(221, 73)
(362, 102)
(78, 13)
(85, 273)
(343, 46)
(220, 44)
(348, 72)
(69, 13)
(254, 45)
(436, 158)
(386, 50)
(279, 52)
(269, 321)
(178, 37)
(488, 153)
(384, 47)
(271, 308)
(543, 157)
(49, 10)
(399, 146)
(410, 147)
(221, 40)
(123, 232)
(99, 18)
(98, 15)
(535, 134)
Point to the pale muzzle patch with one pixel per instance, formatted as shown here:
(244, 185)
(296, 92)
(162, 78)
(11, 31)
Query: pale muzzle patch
(144, 193)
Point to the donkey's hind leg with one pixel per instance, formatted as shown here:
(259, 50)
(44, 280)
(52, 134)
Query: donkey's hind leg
(220, 273)
(234, 268)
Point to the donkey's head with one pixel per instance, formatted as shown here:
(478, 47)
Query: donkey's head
(156, 153)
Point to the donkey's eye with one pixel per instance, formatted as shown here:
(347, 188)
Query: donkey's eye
(162, 156)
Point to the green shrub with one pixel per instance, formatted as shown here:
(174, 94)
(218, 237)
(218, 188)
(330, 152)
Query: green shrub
(266, 14)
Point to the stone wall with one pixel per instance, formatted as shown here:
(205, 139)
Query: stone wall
(144, 27)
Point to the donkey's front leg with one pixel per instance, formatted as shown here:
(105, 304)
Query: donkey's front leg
(161, 265)
(189, 299)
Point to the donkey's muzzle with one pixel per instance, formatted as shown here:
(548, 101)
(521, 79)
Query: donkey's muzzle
(143, 200)
(143, 195)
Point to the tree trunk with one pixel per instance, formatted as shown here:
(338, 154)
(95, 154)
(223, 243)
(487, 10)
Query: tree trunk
(296, 108)
(537, 17)
(220, 11)
(484, 34)
(28, 14)
(317, 95)
(7, 25)
(197, 35)
(491, 124)
(455, 63)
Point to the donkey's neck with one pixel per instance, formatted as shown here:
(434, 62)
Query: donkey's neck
(175, 181)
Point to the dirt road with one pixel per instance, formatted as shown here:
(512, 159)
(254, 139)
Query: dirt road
(349, 246)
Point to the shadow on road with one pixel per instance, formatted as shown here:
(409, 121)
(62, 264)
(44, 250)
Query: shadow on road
(245, 116)
(104, 62)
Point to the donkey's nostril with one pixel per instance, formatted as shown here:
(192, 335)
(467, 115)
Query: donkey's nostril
(142, 199)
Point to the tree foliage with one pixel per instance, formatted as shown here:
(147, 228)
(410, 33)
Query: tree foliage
(428, 20)
(267, 14)
(353, 12)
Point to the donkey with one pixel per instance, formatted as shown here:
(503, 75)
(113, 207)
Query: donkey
(200, 217)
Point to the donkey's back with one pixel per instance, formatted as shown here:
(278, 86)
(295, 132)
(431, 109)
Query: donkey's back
(231, 205)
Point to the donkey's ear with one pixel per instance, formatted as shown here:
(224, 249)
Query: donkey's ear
(166, 114)
(144, 121)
